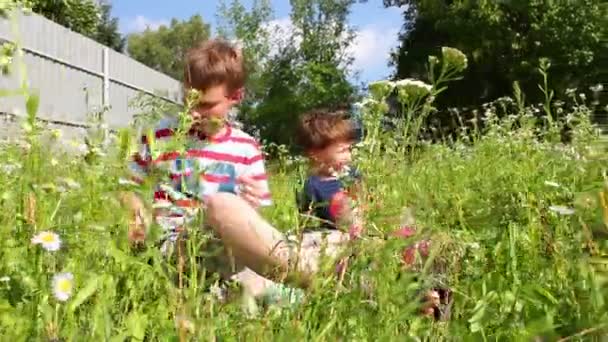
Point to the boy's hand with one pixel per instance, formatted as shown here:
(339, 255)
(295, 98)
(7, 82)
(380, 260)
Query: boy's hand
(251, 190)
(137, 229)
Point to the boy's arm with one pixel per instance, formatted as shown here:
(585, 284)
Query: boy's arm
(351, 208)
(137, 170)
(138, 222)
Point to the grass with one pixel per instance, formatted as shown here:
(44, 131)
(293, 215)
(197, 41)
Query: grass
(517, 268)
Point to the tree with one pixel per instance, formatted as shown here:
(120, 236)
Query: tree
(504, 41)
(248, 28)
(107, 29)
(81, 16)
(305, 66)
(164, 49)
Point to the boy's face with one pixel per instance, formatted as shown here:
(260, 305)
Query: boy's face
(335, 156)
(215, 103)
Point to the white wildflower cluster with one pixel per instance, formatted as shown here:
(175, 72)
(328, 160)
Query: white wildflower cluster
(598, 88)
(454, 58)
(10, 168)
(409, 90)
(379, 90)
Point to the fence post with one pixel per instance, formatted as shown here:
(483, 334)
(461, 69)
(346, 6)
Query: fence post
(106, 77)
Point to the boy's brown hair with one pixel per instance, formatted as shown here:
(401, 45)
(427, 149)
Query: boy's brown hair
(320, 128)
(214, 62)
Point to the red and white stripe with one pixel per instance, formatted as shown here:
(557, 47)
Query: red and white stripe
(235, 147)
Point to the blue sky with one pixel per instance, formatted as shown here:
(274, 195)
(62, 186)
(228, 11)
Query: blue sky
(377, 27)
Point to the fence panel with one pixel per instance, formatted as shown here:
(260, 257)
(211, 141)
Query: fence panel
(76, 75)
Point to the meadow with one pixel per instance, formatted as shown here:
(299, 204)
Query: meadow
(515, 204)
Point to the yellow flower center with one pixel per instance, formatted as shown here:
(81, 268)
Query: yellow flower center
(64, 285)
(47, 238)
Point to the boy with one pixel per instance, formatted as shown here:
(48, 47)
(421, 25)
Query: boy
(329, 191)
(218, 157)
(326, 139)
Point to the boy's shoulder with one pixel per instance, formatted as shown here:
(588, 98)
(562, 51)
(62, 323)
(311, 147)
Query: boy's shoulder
(237, 135)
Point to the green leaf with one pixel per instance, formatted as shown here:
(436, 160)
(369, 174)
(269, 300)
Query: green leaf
(541, 291)
(31, 105)
(84, 294)
(119, 338)
(136, 325)
(10, 92)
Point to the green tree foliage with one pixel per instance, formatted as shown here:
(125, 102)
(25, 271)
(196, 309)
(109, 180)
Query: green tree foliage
(504, 41)
(107, 29)
(305, 66)
(82, 16)
(164, 49)
(248, 27)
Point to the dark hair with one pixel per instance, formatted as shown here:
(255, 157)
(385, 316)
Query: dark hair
(214, 62)
(320, 128)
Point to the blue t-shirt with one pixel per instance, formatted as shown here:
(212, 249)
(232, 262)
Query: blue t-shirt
(318, 193)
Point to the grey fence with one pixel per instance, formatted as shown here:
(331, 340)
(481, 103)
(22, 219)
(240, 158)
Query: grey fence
(75, 76)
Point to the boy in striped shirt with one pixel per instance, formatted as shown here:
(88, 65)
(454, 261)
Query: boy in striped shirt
(215, 158)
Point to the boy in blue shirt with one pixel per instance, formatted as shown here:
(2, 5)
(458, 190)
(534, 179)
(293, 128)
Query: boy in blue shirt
(330, 191)
(326, 139)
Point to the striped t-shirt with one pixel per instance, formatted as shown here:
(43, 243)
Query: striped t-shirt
(206, 166)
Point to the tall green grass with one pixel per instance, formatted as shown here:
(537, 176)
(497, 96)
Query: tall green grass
(518, 269)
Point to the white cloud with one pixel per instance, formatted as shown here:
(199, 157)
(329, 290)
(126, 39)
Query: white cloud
(140, 23)
(370, 49)
(283, 25)
(279, 31)
(372, 46)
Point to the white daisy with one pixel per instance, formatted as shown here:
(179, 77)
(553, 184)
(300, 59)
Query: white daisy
(63, 284)
(49, 241)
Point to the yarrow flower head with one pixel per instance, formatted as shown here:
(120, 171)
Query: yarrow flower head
(597, 88)
(454, 58)
(367, 102)
(63, 285)
(410, 89)
(49, 241)
(381, 89)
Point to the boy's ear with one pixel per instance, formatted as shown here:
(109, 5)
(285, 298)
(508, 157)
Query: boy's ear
(237, 95)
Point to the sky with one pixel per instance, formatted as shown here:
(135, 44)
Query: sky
(377, 27)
